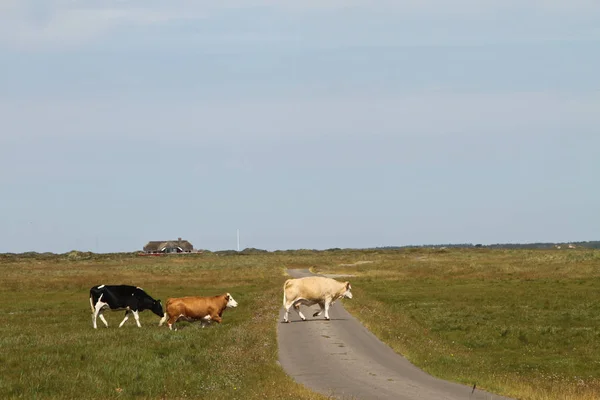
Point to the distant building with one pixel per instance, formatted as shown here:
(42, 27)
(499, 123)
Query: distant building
(169, 246)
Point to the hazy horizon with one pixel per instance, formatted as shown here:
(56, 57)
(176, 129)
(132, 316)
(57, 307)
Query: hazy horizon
(423, 245)
(305, 125)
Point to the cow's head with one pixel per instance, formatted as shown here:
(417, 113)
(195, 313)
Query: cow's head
(347, 294)
(230, 301)
(157, 308)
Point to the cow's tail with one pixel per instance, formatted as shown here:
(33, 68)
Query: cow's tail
(94, 295)
(285, 285)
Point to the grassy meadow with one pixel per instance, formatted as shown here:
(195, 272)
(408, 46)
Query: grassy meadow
(49, 349)
(524, 323)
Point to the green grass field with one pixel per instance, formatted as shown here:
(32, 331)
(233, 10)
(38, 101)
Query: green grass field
(520, 322)
(51, 351)
(525, 323)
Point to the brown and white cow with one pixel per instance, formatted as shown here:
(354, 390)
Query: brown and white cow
(197, 308)
(312, 290)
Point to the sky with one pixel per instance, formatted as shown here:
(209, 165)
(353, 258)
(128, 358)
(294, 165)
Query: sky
(305, 125)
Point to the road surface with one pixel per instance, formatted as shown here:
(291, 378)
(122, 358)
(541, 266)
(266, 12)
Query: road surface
(341, 358)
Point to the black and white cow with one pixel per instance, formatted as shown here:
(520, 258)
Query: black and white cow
(132, 299)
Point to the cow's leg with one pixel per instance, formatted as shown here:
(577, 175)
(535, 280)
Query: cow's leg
(320, 311)
(297, 308)
(205, 321)
(124, 319)
(101, 315)
(93, 313)
(137, 318)
(215, 318)
(94, 318)
(98, 313)
(287, 312)
(327, 304)
(171, 322)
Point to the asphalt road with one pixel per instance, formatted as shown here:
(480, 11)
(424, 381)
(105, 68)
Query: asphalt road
(341, 358)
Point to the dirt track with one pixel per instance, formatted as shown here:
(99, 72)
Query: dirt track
(342, 358)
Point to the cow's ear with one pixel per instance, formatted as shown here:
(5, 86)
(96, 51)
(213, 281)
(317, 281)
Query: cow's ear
(347, 285)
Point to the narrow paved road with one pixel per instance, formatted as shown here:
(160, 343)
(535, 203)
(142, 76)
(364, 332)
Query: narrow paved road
(341, 358)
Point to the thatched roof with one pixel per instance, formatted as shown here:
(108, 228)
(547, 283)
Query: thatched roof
(158, 245)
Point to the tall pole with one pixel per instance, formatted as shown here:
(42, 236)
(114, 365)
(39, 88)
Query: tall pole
(238, 240)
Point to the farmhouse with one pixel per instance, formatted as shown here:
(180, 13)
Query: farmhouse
(169, 246)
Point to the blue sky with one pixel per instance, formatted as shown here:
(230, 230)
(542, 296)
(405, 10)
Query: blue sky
(303, 124)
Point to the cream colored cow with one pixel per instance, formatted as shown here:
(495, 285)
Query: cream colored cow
(313, 290)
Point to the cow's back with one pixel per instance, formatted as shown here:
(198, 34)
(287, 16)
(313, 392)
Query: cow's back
(118, 296)
(310, 287)
(191, 306)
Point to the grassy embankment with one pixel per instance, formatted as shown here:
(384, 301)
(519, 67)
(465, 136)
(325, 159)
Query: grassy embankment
(522, 322)
(49, 349)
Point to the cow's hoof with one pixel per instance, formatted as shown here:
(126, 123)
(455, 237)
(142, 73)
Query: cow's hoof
(326, 319)
(303, 319)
